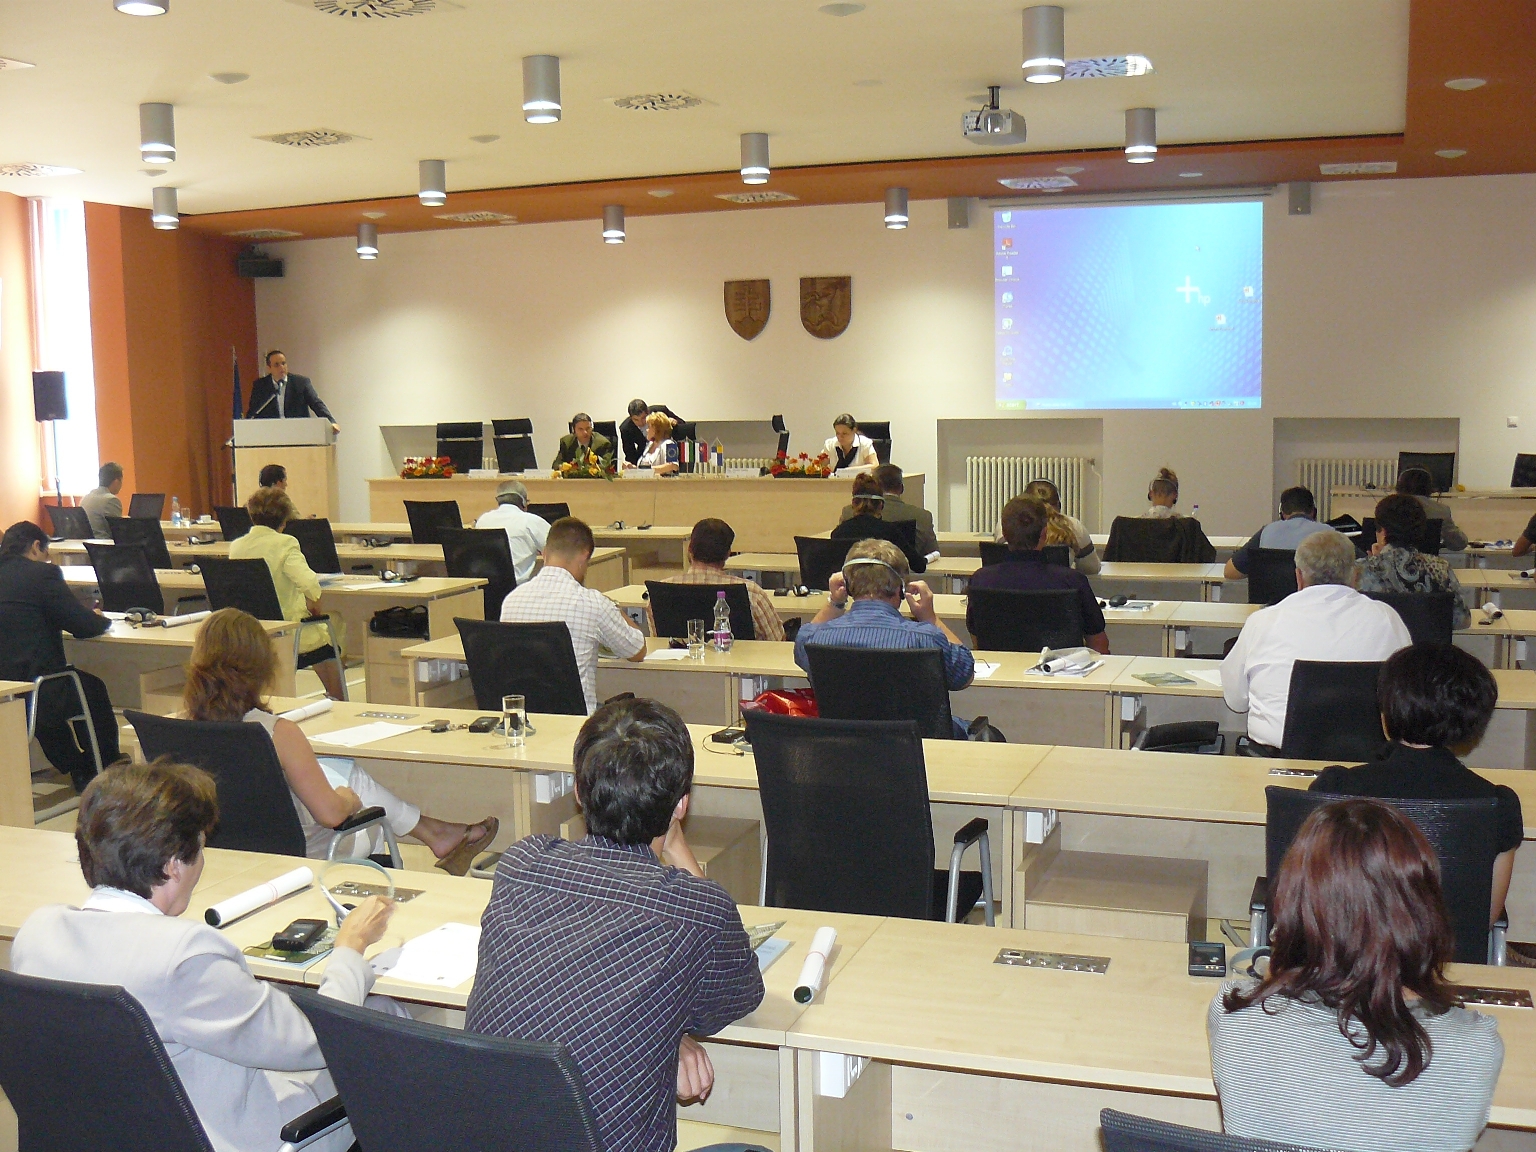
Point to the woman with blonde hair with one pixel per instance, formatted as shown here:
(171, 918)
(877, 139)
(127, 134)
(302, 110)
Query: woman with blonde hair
(1162, 495)
(658, 435)
(231, 670)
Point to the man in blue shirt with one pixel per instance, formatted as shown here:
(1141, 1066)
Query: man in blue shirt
(1298, 520)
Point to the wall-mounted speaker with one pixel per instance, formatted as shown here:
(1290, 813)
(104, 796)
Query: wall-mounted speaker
(959, 211)
(1299, 198)
(48, 399)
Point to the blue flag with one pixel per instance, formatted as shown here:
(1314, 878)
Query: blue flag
(239, 402)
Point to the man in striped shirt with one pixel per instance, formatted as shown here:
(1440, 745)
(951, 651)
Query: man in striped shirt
(709, 547)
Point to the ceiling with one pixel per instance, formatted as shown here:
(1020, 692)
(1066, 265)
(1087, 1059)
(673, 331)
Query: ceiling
(1250, 92)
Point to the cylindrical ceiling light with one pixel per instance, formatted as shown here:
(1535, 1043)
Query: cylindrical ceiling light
(434, 182)
(1141, 135)
(367, 240)
(142, 7)
(754, 157)
(157, 133)
(613, 224)
(541, 89)
(163, 213)
(1044, 52)
(896, 208)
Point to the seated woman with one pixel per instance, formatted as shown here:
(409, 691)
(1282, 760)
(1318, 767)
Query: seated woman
(866, 523)
(231, 670)
(245, 1053)
(1418, 483)
(298, 588)
(1395, 563)
(848, 447)
(1436, 701)
(658, 435)
(1353, 1040)
(1162, 495)
(1064, 529)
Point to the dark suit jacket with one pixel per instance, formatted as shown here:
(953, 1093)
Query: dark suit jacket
(568, 448)
(633, 440)
(896, 510)
(903, 534)
(299, 400)
(35, 607)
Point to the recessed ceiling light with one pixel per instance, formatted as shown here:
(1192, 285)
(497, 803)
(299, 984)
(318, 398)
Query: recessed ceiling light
(488, 138)
(868, 83)
(660, 193)
(142, 7)
(1451, 153)
(375, 215)
(840, 9)
(1466, 83)
(230, 77)
(1191, 175)
(1069, 170)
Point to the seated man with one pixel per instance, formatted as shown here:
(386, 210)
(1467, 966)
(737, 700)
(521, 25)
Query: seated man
(616, 945)
(1298, 520)
(582, 439)
(35, 607)
(1325, 620)
(557, 593)
(103, 501)
(1418, 483)
(889, 482)
(868, 522)
(526, 532)
(1025, 569)
(273, 476)
(706, 552)
(1396, 564)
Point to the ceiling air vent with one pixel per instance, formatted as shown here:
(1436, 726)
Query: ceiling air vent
(1365, 168)
(37, 170)
(374, 9)
(9, 65)
(313, 138)
(768, 196)
(1099, 67)
(1038, 183)
(477, 217)
(265, 234)
(657, 102)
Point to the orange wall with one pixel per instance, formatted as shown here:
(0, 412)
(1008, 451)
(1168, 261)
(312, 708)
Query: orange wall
(20, 465)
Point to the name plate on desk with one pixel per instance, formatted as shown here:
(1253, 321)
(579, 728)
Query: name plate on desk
(1055, 961)
(310, 430)
(1471, 996)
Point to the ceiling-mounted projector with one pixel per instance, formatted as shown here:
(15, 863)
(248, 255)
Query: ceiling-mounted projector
(991, 125)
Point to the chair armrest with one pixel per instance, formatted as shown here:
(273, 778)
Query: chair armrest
(362, 818)
(313, 1123)
(1498, 941)
(317, 618)
(1258, 901)
(971, 833)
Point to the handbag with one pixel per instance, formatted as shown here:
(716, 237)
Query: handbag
(401, 623)
(784, 702)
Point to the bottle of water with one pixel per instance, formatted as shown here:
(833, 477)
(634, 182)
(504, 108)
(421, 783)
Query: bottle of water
(723, 637)
(175, 512)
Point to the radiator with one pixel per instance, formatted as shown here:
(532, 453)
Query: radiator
(1323, 474)
(991, 481)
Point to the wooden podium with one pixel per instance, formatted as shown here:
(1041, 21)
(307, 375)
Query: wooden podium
(306, 447)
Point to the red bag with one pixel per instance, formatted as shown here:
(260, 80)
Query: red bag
(784, 702)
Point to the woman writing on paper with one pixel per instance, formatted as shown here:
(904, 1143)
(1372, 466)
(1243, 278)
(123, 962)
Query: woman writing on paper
(658, 436)
(231, 669)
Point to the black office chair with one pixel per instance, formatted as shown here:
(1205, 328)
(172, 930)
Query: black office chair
(427, 517)
(1011, 620)
(534, 661)
(1441, 467)
(408, 1085)
(993, 552)
(1331, 711)
(481, 554)
(463, 442)
(1428, 543)
(1198, 737)
(609, 429)
(247, 585)
(1126, 1133)
(1271, 575)
(143, 532)
(256, 811)
(1524, 475)
(673, 605)
(317, 542)
(133, 1097)
(124, 577)
(233, 522)
(550, 512)
(80, 722)
(1429, 616)
(819, 558)
(882, 684)
(69, 523)
(846, 813)
(879, 431)
(1142, 540)
(1463, 833)
(146, 505)
(513, 442)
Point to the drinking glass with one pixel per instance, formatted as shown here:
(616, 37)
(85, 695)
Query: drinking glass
(698, 630)
(514, 720)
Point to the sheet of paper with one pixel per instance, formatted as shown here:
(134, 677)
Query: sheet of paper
(1073, 673)
(361, 734)
(769, 951)
(1211, 676)
(443, 958)
(668, 654)
(985, 669)
(365, 586)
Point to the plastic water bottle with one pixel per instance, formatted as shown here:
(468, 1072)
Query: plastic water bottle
(175, 512)
(723, 637)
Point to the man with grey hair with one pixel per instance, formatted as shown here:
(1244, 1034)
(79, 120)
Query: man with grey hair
(102, 502)
(1324, 619)
(526, 533)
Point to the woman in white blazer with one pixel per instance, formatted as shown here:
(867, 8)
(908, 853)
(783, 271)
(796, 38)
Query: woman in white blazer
(847, 447)
(245, 1053)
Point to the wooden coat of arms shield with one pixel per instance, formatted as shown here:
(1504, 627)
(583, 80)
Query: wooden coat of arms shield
(826, 305)
(747, 305)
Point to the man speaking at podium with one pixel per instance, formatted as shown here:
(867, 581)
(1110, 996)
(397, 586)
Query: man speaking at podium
(278, 395)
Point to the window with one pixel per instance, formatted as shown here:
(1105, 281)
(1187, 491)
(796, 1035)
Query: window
(62, 316)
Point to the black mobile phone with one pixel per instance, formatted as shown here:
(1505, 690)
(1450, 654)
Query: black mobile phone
(298, 936)
(439, 725)
(1207, 959)
(484, 724)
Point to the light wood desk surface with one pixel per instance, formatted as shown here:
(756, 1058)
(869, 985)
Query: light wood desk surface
(122, 654)
(421, 589)
(15, 755)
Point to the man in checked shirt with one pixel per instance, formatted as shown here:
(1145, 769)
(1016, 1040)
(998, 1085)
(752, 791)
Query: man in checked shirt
(616, 945)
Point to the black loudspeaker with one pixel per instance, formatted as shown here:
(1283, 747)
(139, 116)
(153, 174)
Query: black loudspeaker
(48, 401)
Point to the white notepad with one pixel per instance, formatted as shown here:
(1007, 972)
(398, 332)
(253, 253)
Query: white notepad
(362, 734)
(1210, 676)
(985, 669)
(442, 958)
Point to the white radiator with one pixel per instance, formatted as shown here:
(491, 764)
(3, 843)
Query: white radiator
(992, 481)
(1323, 474)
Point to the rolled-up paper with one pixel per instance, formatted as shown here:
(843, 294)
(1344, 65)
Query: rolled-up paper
(178, 621)
(1078, 658)
(258, 897)
(1491, 611)
(300, 714)
(809, 981)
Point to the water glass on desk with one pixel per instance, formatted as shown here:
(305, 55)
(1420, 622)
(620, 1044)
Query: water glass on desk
(698, 632)
(514, 720)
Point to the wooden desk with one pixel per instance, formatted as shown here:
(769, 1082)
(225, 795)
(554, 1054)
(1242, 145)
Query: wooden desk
(15, 755)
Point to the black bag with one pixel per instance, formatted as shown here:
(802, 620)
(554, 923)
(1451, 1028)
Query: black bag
(401, 623)
(982, 731)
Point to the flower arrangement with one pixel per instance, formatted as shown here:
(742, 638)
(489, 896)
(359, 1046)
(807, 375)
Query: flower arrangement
(590, 467)
(801, 465)
(426, 468)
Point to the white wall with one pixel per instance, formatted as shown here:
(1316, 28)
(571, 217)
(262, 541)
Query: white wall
(1393, 299)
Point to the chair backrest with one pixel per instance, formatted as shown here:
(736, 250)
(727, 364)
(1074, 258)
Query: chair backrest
(876, 429)
(845, 809)
(69, 523)
(1463, 833)
(1524, 475)
(428, 517)
(520, 426)
(992, 552)
(243, 584)
(256, 811)
(673, 605)
(1057, 554)
(463, 454)
(132, 1096)
(1441, 467)
(144, 532)
(903, 534)
(124, 577)
(233, 522)
(460, 430)
(882, 450)
(409, 1085)
(535, 661)
(550, 512)
(1141, 540)
(819, 558)
(481, 554)
(882, 684)
(1428, 616)
(146, 505)
(1125, 1133)
(1012, 620)
(515, 453)
(317, 542)
(607, 428)
(1331, 711)
(1271, 575)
